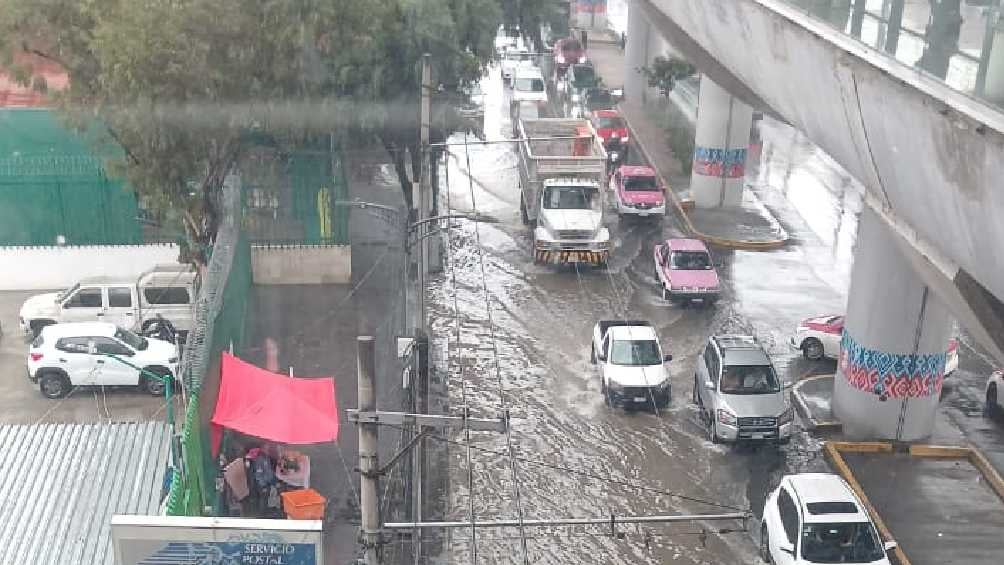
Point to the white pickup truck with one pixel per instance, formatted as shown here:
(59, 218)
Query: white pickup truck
(631, 363)
(166, 291)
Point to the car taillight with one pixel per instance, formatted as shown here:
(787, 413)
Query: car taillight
(35, 356)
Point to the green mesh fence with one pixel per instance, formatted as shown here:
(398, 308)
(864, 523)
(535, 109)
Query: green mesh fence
(52, 183)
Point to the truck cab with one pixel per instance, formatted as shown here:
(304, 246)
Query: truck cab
(631, 364)
(167, 291)
(570, 213)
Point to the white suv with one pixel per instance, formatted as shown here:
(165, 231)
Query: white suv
(64, 356)
(817, 518)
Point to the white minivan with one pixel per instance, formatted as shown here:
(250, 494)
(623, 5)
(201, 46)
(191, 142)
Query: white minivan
(528, 85)
(166, 291)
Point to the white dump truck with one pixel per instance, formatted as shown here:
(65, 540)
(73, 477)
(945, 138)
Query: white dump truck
(562, 175)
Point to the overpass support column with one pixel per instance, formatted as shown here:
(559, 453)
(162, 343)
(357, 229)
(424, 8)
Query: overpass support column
(722, 139)
(636, 53)
(892, 354)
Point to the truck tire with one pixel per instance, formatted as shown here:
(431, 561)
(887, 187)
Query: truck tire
(812, 349)
(37, 325)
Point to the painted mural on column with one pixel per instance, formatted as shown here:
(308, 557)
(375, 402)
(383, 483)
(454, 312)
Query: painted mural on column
(890, 375)
(714, 162)
(591, 6)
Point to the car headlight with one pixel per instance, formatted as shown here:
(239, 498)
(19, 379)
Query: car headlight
(726, 417)
(603, 234)
(786, 416)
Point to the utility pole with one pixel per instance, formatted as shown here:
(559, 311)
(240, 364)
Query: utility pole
(368, 463)
(424, 211)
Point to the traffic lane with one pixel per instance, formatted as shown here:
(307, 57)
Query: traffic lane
(22, 403)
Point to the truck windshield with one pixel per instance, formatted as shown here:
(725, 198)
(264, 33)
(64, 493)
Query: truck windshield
(584, 76)
(132, 340)
(749, 379)
(568, 198)
(635, 352)
(845, 542)
(640, 184)
(529, 85)
(62, 295)
(690, 260)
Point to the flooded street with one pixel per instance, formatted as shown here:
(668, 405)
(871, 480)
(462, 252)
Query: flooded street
(597, 457)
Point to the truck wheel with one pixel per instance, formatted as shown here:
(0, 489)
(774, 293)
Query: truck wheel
(696, 394)
(53, 385)
(36, 326)
(812, 349)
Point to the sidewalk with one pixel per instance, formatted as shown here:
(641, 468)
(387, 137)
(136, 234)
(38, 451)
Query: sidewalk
(750, 225)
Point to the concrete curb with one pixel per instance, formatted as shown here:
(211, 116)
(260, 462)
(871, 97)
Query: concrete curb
(803, 408)
(833, 449)
(744, 245)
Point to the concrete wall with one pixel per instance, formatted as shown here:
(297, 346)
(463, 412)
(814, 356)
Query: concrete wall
(933, 156)
(301, 264)
(57, 267)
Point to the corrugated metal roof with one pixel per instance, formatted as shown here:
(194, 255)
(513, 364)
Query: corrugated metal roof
(60, 484)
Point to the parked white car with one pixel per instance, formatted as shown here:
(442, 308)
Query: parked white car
(995, 394)
(64, 356)
(817, 518)
(820, 337)
(166, 290)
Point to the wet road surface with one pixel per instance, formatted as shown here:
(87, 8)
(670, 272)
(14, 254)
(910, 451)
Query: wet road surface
(542, 319)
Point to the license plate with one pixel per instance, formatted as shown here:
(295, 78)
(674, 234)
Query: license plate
(757, 436)
(644, 214)
(640, 399)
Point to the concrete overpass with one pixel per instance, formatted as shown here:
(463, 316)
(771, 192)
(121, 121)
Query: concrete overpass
(930, 157)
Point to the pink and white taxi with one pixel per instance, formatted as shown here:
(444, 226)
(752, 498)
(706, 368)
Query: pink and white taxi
(820, 337)
(685, 272)
(638, 192)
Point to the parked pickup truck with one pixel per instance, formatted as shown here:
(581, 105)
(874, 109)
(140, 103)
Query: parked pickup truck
(562, 171)
(631, 363)
(166, 291)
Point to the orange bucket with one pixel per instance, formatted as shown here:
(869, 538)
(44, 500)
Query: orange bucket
(305, 504)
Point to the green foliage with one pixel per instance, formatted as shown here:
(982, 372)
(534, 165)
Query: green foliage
(665, 71)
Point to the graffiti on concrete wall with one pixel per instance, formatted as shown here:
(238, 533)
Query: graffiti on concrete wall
(714, 162)
(890, 375)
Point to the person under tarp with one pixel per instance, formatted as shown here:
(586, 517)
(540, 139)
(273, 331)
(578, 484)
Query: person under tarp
(269, 411)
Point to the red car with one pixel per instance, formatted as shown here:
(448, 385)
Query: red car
(610, 125)
(566, 52)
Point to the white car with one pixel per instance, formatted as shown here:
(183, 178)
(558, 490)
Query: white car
(631, 363)
(995, 394)
(512, 59)
(820, 337)
(64, 356)
(817, 518)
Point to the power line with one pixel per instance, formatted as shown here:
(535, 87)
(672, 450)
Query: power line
(587, 474)
(463, 380)
(495, 354)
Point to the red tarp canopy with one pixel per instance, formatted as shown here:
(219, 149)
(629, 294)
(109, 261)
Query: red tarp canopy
(275, 407)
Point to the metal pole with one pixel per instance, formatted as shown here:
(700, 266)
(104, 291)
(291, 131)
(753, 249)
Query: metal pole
(368, 464)
(425, 192)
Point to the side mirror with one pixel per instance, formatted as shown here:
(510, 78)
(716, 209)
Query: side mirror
(709, 385)
(787, 548)
(890, 545)
(667, 358)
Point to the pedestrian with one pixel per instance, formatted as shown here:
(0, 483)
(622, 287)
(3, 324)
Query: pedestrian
(584, 38)
(623, 40)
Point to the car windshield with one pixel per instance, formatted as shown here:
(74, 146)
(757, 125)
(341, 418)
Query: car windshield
(568, 198)
(599, 100)
(529, 85)
(749, 379)
(635, 352)
(62, 295)
(584, 76)
(132, 340)
(641, 184)
(610, 123)
(850, 542)
(690, 261)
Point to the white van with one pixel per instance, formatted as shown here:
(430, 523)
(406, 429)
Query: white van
(528, 85)
(166, 290)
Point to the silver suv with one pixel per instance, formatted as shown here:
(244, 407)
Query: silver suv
(739, 394)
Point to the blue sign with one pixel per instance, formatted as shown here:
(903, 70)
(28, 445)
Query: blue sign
(232, 553)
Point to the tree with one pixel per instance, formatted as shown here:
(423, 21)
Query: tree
(665, 71)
